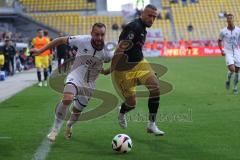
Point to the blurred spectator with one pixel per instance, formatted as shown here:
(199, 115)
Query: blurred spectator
(173, 1)
(63, 53)
(168, 15)
(115, 27)
(193, 1)
(9, 52)
(50, 54)
(123, 25)
(190, 27)
(1, 58)
(159, 15)
(155, 45)
(184, 2)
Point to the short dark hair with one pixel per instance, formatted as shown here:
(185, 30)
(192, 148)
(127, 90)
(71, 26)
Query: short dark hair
(151, 7)
(39, 29)
(45, 32)
(229, 15)
(98, 24)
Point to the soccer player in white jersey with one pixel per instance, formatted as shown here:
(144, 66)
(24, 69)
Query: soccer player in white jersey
(230, 37)
(80, 82)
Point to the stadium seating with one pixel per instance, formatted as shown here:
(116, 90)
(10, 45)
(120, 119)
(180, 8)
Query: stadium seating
(73, 23)
(53, 5)
(203, 16)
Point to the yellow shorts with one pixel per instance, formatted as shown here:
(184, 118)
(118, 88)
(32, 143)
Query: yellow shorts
(1, 60)
(50, 58)
(41, 61)
(126, 81)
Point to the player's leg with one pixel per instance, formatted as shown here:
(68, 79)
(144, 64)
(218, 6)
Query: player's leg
(125, 85)
(80, 102)
(45, 63)
(126, 106)
(38, 65)
(152, 84)
(236, 77)
(147, 77)
(68, 95)
(235, 81)
(50, 63)
(231, 69)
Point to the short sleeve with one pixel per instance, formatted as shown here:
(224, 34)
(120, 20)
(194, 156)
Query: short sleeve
(128, 33)
(75, 40)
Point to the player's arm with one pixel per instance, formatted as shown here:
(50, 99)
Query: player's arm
(125, 43)
(220, 43)
(106, 71)
(52, 44)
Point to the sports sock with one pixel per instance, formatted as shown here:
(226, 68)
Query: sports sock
(60, 115)
(235, 81)
(73, 119)
(153, 105)
(39, 76)
(45, 72)
(229, 76)
(125, 108)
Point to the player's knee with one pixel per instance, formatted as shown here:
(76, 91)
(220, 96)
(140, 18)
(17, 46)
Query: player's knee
(131, 102)
(232, 68)
(67, 99)
(155, 90)
(75, 110)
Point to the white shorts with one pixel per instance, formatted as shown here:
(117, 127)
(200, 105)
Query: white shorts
(84, 91)
(232, 58)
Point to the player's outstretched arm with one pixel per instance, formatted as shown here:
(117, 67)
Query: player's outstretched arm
(118, 57)
(52, 44)
(106, 71)
(220, 47)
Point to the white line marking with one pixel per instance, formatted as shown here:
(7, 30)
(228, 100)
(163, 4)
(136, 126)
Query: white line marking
(42, 150)
(5, 138)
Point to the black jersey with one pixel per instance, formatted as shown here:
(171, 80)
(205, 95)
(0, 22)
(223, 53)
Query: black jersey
(134, 31)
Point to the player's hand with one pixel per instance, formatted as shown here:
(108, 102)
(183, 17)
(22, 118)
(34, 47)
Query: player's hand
(35, 51)
(105, 72)
(222, 52)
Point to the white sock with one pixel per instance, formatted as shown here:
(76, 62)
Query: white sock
(73, 119)
(229, 76)
(235, 81)
(60, 115)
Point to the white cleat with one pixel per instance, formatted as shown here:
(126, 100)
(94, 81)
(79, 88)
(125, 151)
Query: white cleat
(52, 135)
(68, 133)
(45, 83)
(122, 120)
(152, 128)
(235, 91)
(40, 84)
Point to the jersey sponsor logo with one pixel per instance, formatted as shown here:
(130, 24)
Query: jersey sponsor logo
(130, 36)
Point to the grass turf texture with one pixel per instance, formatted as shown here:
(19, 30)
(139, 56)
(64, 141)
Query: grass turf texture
(200, 118)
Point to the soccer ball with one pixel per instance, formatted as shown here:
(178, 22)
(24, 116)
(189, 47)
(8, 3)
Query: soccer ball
(122, 143)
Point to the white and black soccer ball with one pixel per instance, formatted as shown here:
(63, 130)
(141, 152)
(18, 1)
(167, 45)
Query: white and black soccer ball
(122, 143)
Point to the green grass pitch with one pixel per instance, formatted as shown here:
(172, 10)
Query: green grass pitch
(200, 118)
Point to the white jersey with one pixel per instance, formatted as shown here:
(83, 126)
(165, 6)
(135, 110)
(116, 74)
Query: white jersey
(88, 62)
(230, 40)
